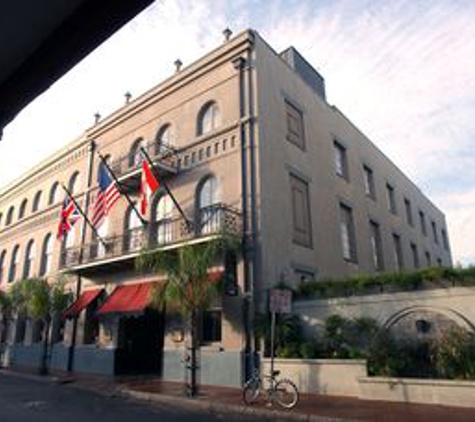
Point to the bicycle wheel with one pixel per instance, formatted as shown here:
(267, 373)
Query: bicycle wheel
(286, 393)
(251, 391)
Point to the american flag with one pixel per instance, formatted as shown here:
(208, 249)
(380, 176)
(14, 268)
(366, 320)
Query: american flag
(69, 216)
(107, 195)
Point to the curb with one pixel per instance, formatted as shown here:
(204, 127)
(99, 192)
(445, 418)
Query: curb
(212, 407)
(181, 402)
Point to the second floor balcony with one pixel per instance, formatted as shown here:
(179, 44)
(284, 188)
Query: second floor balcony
(164, 234)
(128, 167)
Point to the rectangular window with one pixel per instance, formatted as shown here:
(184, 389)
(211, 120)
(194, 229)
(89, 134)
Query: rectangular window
(347, 232)
(408, 207)
(439, 262)
(422, 220)
(415, 255)
(302, 225)
(303, 276)
(428, 259)
(391, 198)
(376, 246)
(369, 182)
(398, 257)
(341, 164)
(211, 328)
(295, 127)
(434, 232)
(445, 240)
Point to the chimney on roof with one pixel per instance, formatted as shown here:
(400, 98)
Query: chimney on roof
(127, 96)
(97, 117)
(178, 64)
(227, 34)
(305, 70)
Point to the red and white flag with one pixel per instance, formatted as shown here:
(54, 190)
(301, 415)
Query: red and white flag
(148, 185)
(68, 217)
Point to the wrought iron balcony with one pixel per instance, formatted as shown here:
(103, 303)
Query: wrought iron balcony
(166, 233)
(164, 158)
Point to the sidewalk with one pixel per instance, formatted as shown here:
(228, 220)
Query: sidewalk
(311, 407)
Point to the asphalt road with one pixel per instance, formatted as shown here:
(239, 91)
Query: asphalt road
(24, 400)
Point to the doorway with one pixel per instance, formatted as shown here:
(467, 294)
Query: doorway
(140, 346)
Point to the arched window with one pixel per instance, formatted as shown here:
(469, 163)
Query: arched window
(22, 211)
(133, 238)
(164, 139)
(209, 216)
(135, 155)
(54, 194)
(209, 118)
(100, 250)
(163, 213)
(36, 201)
(69, 238)
(3, 259)
(15, 261)
(73, 184)
(46, 255)
(30, 253)
(10, 213)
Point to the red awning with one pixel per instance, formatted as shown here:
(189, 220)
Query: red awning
(127, 298)
(83, 302)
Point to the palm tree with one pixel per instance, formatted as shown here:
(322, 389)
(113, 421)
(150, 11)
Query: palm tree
(188, 286)
(41, 301)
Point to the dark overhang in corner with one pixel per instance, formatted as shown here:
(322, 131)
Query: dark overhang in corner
(41, 41)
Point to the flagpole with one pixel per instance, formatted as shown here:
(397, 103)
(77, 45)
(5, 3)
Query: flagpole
(86, 219)
(121, 190)
(177, 205)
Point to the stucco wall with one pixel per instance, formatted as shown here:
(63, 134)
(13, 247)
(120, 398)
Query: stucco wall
(441, 392)
(455, 304)
(324, 376)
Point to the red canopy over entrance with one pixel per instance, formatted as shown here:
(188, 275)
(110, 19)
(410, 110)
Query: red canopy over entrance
(127, 298)
(83, 302)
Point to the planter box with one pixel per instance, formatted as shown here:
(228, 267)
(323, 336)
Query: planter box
(324, 376)
(441, 392)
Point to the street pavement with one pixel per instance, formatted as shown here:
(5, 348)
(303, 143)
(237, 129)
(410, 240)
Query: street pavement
(30, 400)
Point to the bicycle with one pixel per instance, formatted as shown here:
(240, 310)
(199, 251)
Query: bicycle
(283, 391)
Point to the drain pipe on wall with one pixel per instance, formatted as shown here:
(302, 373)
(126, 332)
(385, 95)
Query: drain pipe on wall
(244, 67)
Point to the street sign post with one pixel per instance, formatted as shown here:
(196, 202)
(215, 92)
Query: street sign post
(280, 302)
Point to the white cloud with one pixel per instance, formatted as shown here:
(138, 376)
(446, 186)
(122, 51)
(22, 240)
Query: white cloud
(402, 71)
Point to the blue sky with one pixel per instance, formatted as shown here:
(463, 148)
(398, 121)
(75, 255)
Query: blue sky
(402, 71)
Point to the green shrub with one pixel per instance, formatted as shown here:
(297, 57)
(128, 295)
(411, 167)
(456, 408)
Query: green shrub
(454, 354)
(289, 351)
(310, 349)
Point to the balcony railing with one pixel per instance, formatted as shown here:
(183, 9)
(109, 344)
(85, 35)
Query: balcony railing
(211, 221)
(163, 156)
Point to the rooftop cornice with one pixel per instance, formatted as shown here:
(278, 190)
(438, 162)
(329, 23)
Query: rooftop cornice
(216, 57)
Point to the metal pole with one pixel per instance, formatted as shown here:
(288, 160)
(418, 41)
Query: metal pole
(121, 190)
(72, 348)
(167, 189)
(86, 219)
(272, 341)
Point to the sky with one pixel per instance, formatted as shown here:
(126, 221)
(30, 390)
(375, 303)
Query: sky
(402, 71)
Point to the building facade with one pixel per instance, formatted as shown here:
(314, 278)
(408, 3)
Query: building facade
(246, 142)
